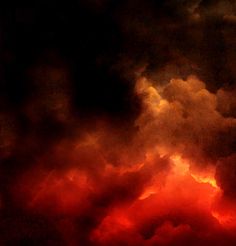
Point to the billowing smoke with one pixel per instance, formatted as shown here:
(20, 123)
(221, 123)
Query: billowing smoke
(118, 123)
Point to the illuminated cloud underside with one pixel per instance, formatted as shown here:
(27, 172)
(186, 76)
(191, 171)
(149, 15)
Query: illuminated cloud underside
(157, 192)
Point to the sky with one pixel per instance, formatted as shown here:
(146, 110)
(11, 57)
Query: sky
(118, 123)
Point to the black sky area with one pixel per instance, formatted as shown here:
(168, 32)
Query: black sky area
(92, 38)
(73, 33)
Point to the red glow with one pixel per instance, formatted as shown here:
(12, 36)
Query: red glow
(183, 204)
(153, 193)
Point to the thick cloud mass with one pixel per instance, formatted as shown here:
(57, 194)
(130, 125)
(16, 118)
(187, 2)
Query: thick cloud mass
(118, 123)
(182, 116)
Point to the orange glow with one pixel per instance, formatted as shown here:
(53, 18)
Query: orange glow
(227, 220)
(207, 180)
(181, 167)
(174, 193)
(149, 191)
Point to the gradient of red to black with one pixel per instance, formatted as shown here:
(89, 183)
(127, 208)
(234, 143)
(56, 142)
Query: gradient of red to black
(118, 123)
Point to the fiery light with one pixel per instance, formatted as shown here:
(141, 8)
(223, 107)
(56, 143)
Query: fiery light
(149, 192)
(181, 167)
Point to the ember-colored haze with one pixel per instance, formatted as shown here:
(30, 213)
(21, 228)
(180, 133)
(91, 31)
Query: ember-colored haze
(118, 124)
(158, 189)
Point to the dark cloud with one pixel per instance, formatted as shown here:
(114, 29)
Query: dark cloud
(110, 111)
(226, 175)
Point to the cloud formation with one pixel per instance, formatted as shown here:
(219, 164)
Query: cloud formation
(118, 123)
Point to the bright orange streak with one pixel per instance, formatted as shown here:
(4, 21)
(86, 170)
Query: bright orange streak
(148, 192)
(181, 168)
(206, 180)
